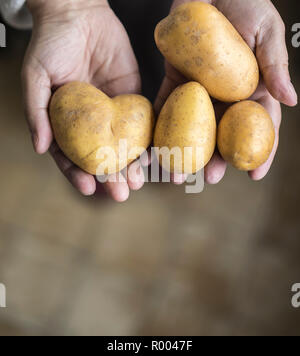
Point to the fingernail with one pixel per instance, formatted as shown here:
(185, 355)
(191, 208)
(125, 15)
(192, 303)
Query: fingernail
(35, 141)
(293, 92)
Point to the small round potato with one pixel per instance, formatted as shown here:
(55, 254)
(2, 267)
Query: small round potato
(200, 42)
(246, 135)
(88, 127)
(187, 128)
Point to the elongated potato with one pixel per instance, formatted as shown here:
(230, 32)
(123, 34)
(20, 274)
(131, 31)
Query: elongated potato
(246, 135)
(202, 44)
(186, 127)
(88, 127)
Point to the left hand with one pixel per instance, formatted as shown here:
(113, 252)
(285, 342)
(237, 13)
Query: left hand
(77, 40)
(262, 28)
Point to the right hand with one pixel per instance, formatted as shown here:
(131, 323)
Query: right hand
(76, 40)
(262, 27)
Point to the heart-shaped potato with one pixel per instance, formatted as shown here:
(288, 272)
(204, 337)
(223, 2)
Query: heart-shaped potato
(89, 126)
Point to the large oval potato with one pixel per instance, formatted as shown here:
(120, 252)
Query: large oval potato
(246, 135)
(85, 120)
(187, 124)
(201, 43)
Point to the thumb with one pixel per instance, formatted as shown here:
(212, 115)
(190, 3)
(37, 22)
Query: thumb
(36, 94)
(273, 60)
(171, 81)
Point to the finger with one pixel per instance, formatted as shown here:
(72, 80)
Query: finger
(135, 176)
(168, 85)
(215, 170)
(117, 187)
(83, 182)
(260, 92)
(171, 81)
(178, 179)
(37, 93)
(273, 60)
(121, 84)
(176, 3)
(119, 74)
(274, 109)
(146, 158)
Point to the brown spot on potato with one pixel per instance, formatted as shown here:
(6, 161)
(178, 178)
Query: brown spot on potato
(187, 31)
(196, 36)
(184, 15)
(198, 61)
(187, 63)
(166, 26)
(195, 40)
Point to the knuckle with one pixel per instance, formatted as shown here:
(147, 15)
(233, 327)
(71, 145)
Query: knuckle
(24, 72)
(281, 25)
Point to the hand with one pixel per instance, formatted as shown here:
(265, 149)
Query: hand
(261, 26)
(76, 40)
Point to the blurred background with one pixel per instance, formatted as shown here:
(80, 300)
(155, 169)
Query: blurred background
(164, 263)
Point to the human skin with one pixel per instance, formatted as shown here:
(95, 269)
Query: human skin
(262, 28)
(77, 40)
(70, 42)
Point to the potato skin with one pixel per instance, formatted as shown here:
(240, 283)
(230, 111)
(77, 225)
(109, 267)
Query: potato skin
(246, 135)
(202, 44)
(85, 119)
(187, 120)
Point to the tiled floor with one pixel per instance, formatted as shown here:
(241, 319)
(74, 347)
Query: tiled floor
(222, 262)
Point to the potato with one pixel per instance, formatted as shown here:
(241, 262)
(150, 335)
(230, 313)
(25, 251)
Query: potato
(187, 120)
(246, 135)
(85, 120)
(201, 43)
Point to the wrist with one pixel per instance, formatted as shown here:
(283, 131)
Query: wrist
(58, 7)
